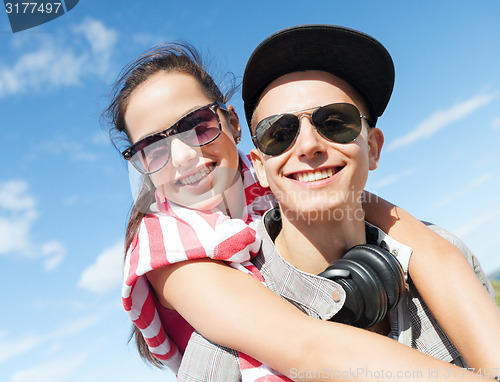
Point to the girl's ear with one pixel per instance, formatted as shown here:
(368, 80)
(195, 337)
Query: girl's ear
(234, 121)
(375, 143)
(258, 165)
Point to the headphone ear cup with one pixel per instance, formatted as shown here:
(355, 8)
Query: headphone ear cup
(371, 293)
(374, 296)
(353, 306)
(386, 266)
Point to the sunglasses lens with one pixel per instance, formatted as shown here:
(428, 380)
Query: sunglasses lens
(152, 156)
(199, 127)
(275, 134)
(195, 129)
(339, 122)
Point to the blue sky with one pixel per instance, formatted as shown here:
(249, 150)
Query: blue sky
(64, 191)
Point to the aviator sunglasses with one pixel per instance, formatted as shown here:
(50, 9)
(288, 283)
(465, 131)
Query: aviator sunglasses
(197, 128)
(336, 122)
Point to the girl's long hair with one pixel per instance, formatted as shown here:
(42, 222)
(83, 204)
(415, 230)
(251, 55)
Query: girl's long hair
(170, 57)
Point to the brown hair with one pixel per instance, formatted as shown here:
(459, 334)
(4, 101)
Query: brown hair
(169, 57)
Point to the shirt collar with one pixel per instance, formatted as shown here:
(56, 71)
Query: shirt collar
(312, 293)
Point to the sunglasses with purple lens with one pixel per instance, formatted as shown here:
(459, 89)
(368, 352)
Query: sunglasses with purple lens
(197, 128)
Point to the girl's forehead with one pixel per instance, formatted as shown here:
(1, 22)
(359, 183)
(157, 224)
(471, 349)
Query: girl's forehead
(161, 101)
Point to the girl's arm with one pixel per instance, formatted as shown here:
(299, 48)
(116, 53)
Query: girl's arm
(235, 310)
(447, 283)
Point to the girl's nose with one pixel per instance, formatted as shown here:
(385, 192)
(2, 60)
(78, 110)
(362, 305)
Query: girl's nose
(182, 155)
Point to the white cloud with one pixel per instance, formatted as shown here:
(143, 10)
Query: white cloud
(488, 159)
(466, 189)
(22, 345)
(101, 138)
(101, 40)
(148, 40)
(10, 348)
(73, 328)
(56, 60)
(440, 119)
(388, 180)
(13, 196)
(54, 253)
(69, 148)
(56, 370)
(15, 233)
(18, 215)
(495, 125)
(106, 273)
(481, 220)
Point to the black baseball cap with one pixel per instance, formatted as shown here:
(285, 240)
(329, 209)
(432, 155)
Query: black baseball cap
(357, 58)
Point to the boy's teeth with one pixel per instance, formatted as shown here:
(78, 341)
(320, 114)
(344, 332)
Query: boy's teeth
(313, 176)
(196, 177)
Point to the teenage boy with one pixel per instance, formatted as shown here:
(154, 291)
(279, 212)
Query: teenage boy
(312, 97)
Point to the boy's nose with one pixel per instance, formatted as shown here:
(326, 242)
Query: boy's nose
(308, 142)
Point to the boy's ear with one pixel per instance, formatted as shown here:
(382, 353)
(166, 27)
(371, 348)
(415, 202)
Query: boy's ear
(375, 143)
(234, 121)
(258, 165)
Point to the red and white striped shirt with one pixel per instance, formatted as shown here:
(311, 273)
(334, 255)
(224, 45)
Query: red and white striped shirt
(173, 233)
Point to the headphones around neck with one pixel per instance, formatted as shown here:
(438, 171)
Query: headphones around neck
(373, 281)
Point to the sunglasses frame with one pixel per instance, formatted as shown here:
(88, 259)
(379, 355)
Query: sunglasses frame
(300, 114)
(135, 148)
